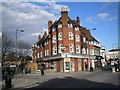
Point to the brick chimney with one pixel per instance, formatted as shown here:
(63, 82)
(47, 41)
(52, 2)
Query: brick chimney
(49, 25)
(64, 15)
(78, 20)
(39, 37)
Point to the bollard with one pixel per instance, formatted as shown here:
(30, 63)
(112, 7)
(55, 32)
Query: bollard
(113, 69)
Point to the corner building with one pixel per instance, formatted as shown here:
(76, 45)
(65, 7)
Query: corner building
(67, 47)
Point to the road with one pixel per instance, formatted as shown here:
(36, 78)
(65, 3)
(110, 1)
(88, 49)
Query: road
(83, 79)
(101, 79)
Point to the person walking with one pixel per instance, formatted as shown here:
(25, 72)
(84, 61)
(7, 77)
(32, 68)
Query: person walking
(8, 79)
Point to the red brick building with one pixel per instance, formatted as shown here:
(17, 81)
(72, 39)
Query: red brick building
(67, 47)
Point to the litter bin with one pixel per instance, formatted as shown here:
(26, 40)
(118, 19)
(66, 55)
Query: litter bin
(91, 69)
(113, 69)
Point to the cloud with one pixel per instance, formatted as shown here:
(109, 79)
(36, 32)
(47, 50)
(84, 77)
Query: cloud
(103, 16)
(33, 18)
(112, 18)
(91, 20)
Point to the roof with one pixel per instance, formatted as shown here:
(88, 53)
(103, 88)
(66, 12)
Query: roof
(114, 50)
(84, 30)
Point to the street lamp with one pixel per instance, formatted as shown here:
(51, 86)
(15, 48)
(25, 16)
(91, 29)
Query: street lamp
(16, 39)
(89, 46)
(16, 42)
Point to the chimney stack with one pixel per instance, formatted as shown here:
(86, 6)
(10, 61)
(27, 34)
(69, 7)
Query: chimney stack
(64, 15)
(49, 25)
(39, 37)
(78, 20)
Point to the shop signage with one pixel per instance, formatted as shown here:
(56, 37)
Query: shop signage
(89, 60)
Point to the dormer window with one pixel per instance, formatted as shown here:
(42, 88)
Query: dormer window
(76, 28)
(53, 29)
(70, 25)
(59, 25)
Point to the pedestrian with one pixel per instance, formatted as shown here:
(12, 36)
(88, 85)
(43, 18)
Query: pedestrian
(8, 79)
(86, 66)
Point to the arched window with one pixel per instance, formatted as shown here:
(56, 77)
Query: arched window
(54, 39)
(60, 36)
(54, 50)
(60, 48)
(77, 38)
(71, 47)
(70, 36)
(77, 49)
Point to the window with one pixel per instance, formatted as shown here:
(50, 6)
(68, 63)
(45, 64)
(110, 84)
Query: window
(84, 39)
(54, 50)
(60, 26)
(60, 36)
(83, 51)
(70, 25)
(47, 42)
(53, 29)
(60, 48)
(77, 49)
(47, 52)
(71, 47)
(54, 39)
(76, 28)
(70, 36)
(38, 55)
(77, 38)
(87, 51)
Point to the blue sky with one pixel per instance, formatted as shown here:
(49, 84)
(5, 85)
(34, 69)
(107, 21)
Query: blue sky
(33, 17)
(100, 15)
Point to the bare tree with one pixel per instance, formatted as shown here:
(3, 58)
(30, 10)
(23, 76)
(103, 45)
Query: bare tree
(23, 48)
(8, 47)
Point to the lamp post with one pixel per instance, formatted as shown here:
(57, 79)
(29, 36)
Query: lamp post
(89, 48)
(16, 38)
(16, 42)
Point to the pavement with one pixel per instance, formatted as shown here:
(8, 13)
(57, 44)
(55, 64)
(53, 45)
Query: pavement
(20, 81)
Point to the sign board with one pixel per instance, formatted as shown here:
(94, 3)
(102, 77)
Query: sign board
(89, 60)
(12, 65)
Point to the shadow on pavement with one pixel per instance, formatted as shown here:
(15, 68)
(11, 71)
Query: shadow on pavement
(69, 82)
